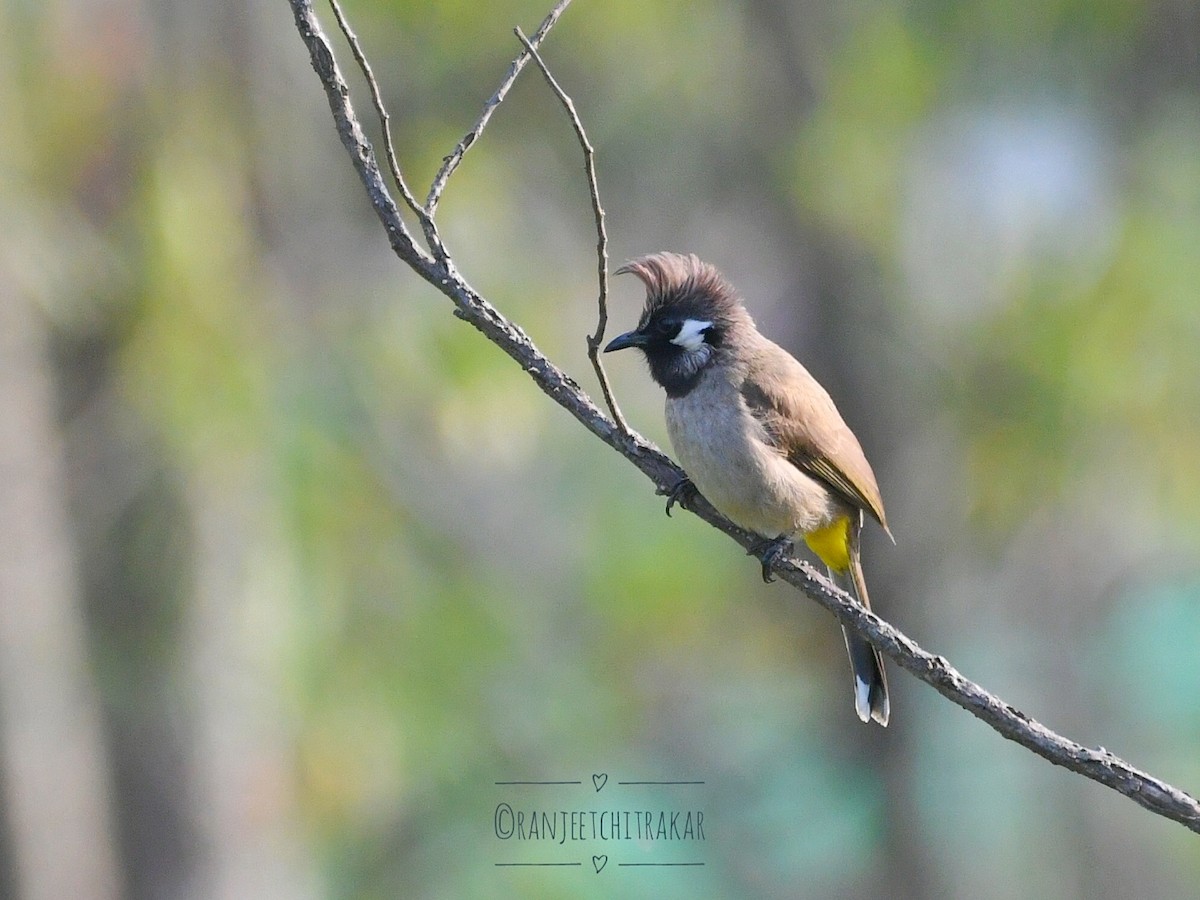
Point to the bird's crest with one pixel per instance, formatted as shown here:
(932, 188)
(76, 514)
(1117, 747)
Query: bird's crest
(675, 279)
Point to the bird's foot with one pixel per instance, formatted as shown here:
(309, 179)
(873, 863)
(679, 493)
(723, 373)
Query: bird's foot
(683, 493)
(769, 552)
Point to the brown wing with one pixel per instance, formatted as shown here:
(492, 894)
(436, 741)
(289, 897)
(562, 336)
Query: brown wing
(802, 421)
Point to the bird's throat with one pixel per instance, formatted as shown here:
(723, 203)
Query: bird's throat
(679, 371)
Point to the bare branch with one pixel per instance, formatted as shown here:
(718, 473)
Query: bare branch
(432, 237)
(450, 163)
(1099, 765)
(353, 139)
(594, 341)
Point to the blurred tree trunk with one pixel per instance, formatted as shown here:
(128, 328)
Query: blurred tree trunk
(52, 747)
(241, 761)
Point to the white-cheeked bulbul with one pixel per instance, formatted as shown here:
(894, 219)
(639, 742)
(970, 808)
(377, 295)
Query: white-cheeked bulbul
(757, 435)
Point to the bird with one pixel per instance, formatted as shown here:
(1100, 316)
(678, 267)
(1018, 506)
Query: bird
(758, 436)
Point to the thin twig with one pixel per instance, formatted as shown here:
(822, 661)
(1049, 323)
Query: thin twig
(1099, 765)
(432, 237)
(450, 163)
(594, 341)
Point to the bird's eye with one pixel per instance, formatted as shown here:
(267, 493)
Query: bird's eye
(666, 328)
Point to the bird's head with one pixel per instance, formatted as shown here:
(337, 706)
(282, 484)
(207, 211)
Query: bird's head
(691, 315)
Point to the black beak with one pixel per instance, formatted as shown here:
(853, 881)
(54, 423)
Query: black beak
(626, 340)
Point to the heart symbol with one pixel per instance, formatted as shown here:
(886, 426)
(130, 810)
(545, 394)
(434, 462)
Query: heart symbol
(599, 862)
(600, 781)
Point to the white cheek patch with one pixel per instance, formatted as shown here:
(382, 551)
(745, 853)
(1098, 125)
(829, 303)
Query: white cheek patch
(691, 334)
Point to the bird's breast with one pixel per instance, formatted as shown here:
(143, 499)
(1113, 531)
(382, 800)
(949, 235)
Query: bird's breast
(728, 455)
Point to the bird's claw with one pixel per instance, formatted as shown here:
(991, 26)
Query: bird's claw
(682, 493)
(769, 552)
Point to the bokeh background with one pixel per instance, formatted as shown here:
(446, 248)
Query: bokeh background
(295, 567)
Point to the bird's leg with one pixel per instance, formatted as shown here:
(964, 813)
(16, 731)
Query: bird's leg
(683, 493)
(769, 551)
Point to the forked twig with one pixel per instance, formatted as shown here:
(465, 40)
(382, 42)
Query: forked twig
(450, 163)
(350, 131)
(432, 237)
(589, 163)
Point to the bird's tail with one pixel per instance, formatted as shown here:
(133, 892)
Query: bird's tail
(870, 683)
